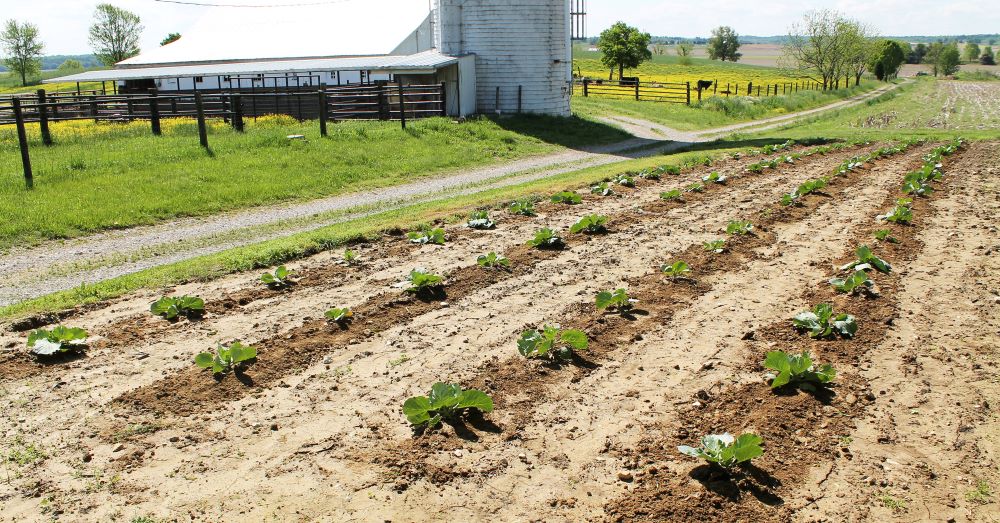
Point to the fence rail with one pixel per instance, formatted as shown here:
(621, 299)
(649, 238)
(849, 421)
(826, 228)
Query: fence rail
(682, 93)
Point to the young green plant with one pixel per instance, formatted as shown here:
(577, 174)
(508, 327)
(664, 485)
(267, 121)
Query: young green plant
(280, 278)
(226, 359)
(798, 370)
(821, 322)
(726, 451)
(446, 401)
(59, 340)
(617, 301)
(172, 307)
(551, 343)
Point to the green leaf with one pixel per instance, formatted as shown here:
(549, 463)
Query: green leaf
(268, 279)
(475, 399)
(416, 410)
(204, 360)
(444, 395)
(747, 447)
(576, 339)
(604, 300)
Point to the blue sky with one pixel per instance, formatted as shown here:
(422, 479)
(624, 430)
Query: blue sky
(64, 23)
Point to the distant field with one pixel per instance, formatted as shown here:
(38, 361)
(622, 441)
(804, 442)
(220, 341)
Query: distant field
(11, 83)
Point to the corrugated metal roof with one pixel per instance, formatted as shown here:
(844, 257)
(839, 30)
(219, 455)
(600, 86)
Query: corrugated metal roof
(428, 61)
(346, 28)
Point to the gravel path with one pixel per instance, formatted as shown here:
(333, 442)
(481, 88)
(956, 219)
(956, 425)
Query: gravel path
(56, 266)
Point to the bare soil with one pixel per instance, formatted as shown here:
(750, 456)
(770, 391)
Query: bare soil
(312, 431)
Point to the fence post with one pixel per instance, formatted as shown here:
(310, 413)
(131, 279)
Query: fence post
(43, 118)
(689, 93)
(237, 104)
(586, 84)
(444, 99)
(202, 130)
(22, 141)
(322, 109)
(154, 112)
(699, 93)
(749, 88)
(715, 87)
(402, 105)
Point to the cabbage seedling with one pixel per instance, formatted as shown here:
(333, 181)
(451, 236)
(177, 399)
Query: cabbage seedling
(726, 451)
(603, 189)
(350, 257)
(427, 235)
(821, 322)
(856, 283)
(674, 194)
(798, 370)
(280, 278)
(171, 308)
(567, 197)
(480, 220)
(885, 235)
(675, 270)
(523, 208)
(716, 246)
(421, 281)
(901, 213)
(340, 316)
(493, 261)
(617, 300)
(739, 227)
(546, 239)
(591, 223)
(714, 178)
(696, 187)
(551, 343)
(624, 180)
(225, 359)
(651, 174)
(59, 340)
(868, 260)
(446, 401)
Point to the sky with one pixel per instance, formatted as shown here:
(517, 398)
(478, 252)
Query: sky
(63, 23)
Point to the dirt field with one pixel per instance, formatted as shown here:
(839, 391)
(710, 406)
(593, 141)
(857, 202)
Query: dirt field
(313, 430)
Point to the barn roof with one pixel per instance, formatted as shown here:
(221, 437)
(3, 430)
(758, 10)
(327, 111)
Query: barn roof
(345, 28)
(425, 62)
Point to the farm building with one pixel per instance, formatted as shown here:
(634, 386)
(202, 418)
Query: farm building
(485, 56)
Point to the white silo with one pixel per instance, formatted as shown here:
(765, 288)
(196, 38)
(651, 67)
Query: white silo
(522, 48)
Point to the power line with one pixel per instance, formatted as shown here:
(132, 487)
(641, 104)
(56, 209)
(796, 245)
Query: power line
(206, 4)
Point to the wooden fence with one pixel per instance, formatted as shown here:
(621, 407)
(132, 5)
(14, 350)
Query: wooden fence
(368, 102)
(683, 93)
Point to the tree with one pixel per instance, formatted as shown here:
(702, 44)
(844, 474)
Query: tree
(933, 57)
(949, 60)
(821, 47)
(886, 59)
(917, 54)
(684, 51)
(115, 34)
(171, 38)
(23, 49)
(857, 48)
(988, 58)
(69, 65)
(972, 52)
(623, 47)
(724, 44)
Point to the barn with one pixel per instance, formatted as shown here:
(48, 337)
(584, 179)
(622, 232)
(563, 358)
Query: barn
(488, 56)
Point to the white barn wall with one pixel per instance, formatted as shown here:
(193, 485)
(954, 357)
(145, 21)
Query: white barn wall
(522, 43)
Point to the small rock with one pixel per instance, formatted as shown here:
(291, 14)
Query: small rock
(625, 476)
(327, 360)
(274, 427)
(458, 453)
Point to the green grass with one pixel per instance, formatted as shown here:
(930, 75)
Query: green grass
(669, 68)
(11, 83)
(714, 111)
(278, 251)
(104, 176)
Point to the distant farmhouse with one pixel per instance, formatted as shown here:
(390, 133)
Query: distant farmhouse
(490, 55)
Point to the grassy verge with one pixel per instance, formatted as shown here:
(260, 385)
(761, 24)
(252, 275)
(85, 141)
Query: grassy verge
(274, 252)
(925, 109)
(715, 111)
(104, 176)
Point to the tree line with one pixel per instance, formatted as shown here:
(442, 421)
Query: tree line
(114, 36)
